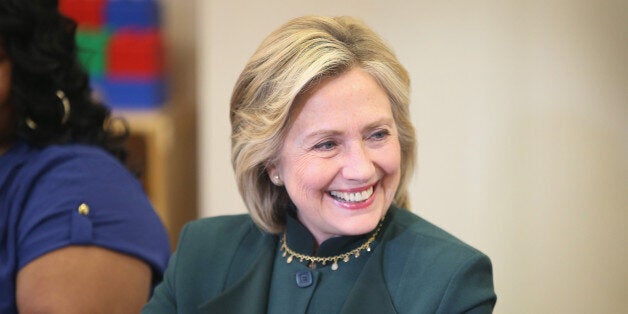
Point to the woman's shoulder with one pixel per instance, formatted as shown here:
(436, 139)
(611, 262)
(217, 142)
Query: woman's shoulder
(410, 227)
(218, 233)
(40, 160)
(76, 153)
(219, 225)
(211, 243)
(423, 256)
(83, 169)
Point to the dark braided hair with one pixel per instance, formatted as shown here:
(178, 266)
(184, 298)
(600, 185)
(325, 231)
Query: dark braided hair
(40, 43)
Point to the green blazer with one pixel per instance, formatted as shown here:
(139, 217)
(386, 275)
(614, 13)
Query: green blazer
(224, 265)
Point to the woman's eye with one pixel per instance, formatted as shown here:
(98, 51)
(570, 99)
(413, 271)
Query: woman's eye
(327, 145)
(380, 135)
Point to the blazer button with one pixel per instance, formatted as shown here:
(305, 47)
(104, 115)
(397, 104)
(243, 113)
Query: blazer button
(304, 278)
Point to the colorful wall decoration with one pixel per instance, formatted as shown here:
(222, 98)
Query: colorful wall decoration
(120, 45)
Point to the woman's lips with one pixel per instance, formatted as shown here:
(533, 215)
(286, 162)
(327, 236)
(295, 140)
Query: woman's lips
(356, 199)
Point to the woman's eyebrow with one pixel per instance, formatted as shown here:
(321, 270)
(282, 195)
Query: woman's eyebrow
(321, 133)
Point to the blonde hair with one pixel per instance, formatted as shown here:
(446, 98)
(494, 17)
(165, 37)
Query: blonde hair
(291, 59)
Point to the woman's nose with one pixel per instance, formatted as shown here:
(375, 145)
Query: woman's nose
(358, 165)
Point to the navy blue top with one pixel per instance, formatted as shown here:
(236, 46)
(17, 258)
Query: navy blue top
(41, 191)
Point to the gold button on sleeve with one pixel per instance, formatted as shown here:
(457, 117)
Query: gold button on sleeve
(83, 209)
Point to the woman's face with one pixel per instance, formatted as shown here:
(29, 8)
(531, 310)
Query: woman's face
(340, 161)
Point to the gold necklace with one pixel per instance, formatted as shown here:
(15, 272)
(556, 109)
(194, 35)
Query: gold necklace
(323, 260)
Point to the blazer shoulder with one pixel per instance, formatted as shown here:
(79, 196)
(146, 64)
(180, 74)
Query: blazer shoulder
(206, 259)
(214, 236)
(219, 225)
(420, 256)
(407, 226)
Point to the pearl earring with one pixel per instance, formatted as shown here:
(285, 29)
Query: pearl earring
(276, 180)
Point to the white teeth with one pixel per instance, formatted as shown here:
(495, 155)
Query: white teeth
(353, 197)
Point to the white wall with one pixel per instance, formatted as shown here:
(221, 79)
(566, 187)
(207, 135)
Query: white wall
(521, 109)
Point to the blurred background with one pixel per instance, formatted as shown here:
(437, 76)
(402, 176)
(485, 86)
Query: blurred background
(521, 110)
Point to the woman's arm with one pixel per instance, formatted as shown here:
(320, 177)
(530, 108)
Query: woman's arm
(83, 279)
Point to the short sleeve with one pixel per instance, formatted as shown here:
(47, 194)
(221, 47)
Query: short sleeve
(82, 196)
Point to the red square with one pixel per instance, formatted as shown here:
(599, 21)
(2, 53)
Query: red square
(86, 13)
(135, 54)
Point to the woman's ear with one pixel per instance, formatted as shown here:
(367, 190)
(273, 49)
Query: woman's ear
(273, 174)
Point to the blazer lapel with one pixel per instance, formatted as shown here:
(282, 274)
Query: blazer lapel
(250, 293)
(370, 293)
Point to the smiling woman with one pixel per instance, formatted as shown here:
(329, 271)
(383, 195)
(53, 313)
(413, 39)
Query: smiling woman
(323, 148)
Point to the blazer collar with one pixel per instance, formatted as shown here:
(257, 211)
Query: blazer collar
(249, 292)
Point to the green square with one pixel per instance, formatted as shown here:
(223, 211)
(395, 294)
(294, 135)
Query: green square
(92, 49)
